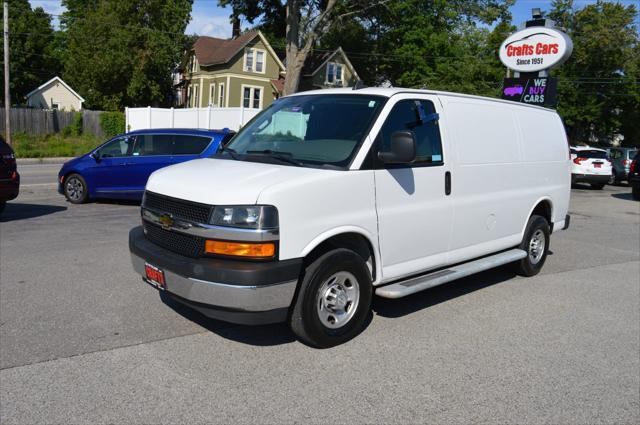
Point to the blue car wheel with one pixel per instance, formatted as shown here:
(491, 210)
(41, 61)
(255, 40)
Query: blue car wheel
(75, 189)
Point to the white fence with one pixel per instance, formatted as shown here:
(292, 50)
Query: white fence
(210, 118)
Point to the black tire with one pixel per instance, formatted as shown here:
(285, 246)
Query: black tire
(75, 189)
(532, 264)
(635, 192)
(306, 321)
(613, 180)
(2, 205)
(597, 186)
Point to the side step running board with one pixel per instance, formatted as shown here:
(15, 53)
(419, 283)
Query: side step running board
(420, 283)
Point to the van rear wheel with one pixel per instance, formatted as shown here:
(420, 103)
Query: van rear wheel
(536, 244)
(333, 301)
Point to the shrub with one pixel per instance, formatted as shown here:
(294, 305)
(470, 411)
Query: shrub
(112, 123)
(51, 145)
(75, 128)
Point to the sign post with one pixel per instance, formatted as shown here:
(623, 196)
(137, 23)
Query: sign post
(531, 52)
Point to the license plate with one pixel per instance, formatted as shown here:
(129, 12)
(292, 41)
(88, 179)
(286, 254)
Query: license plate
(597, 165)
(154, 275)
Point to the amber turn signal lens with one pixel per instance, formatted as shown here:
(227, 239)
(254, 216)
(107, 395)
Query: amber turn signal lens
(240, 249)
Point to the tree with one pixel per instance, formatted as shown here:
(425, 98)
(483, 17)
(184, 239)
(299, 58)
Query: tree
(121, 53)
(306, 22)
(31, 57)
(439, 44)
(598, 93)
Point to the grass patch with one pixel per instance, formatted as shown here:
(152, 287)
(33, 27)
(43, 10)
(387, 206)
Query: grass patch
(52, 145)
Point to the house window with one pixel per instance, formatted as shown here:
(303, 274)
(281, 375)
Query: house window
(221, 95)
(55, 106)
(334, 73)
(259, 61)
(212, 91)
(195, 103)
(194, 64)
(254, 60)
(251, 97)
(248, 60)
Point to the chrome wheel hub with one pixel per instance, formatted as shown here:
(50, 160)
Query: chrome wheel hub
(75, 189)
(537, 246)
(337, 300)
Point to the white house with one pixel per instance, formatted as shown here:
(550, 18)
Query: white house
(55, 94)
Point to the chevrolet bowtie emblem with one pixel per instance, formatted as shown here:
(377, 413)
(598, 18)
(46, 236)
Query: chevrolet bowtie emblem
(166, 221)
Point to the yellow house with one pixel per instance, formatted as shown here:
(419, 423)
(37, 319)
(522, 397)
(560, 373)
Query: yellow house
(242, 71)
(55, 94)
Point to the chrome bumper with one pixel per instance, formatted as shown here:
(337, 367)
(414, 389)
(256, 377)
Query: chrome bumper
(238, 297)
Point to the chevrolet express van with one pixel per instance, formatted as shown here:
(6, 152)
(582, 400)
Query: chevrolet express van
(327, 197)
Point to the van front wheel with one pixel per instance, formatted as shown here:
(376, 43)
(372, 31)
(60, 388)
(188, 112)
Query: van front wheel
(536, 244)
(334, 299)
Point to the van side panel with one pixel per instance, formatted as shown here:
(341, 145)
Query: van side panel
(499, 175)
(546, 158)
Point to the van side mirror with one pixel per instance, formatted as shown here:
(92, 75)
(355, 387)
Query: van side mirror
(403, 149)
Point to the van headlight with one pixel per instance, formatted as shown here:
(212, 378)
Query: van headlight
(245, 216)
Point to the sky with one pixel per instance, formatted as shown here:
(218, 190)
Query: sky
(207, 18)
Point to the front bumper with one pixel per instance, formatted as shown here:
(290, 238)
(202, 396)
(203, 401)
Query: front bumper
(590, 178)
(234, 291)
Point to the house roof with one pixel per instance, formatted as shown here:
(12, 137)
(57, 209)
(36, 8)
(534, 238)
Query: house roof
(278, 85)
(56, 78)
(317, 60)
(216, 51)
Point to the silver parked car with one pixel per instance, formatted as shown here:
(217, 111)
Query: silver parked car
(621, 160)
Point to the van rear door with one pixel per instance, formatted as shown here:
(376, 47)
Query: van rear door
(414, 209)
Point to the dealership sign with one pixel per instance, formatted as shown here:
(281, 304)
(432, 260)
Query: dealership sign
(535, 48)
(533, 91)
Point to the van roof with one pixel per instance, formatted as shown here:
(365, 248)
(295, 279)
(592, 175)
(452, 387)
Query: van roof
(388, 92)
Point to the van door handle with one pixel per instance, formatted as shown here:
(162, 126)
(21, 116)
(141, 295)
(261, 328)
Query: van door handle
(447, 183)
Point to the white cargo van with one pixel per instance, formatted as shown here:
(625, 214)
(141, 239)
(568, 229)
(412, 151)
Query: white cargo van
(330, 196)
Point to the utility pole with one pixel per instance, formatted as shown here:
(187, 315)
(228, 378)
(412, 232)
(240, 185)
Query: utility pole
(7, 97)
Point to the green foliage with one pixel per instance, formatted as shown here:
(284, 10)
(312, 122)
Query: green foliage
(52, 145)
(112, 123)
(121, 53)
(599, 89)
(32, 54)
(440, 45)
(75, 128)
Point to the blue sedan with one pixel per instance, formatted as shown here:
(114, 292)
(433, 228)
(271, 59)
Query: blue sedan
(119, 168)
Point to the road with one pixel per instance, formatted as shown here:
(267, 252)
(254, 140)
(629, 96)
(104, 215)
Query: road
(83, 339)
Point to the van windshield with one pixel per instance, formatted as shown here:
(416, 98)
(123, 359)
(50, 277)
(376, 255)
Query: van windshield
(312, 130)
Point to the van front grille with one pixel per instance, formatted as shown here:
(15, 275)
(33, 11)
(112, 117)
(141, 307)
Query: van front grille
(178, 208)
(187, 245)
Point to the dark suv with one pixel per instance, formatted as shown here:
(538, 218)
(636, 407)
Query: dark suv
(634, 177)
(9, 177)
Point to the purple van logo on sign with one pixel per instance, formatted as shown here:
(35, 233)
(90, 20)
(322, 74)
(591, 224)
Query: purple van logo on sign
(513, 91)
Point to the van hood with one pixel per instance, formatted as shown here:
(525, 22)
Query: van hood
(221, 181)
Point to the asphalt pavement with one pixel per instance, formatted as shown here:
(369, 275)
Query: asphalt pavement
(84, 340)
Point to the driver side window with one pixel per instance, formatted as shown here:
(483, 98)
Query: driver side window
(417, 116)
(117, 148)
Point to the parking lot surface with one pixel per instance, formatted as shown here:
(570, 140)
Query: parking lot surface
(83, 339)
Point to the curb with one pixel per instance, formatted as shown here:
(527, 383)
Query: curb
(31, 161)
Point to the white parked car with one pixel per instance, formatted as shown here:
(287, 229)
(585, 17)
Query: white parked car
(330, 196)
(590, 165)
